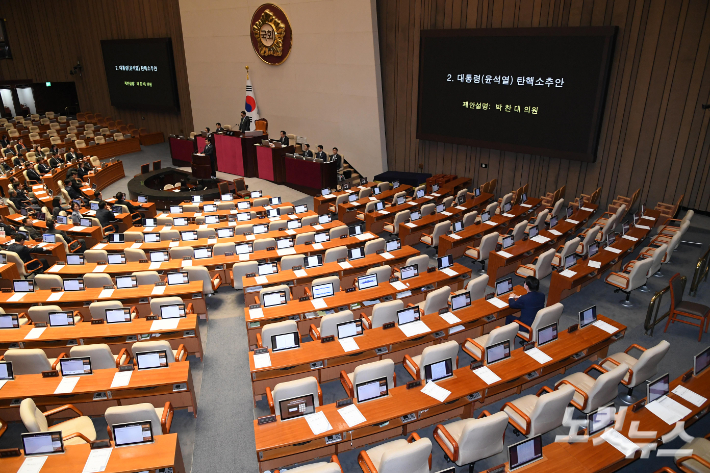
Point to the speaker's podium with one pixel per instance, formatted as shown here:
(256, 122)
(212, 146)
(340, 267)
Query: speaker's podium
(271, 162)
(201, 167)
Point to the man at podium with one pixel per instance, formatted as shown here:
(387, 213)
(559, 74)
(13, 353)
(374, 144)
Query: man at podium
(245, 122)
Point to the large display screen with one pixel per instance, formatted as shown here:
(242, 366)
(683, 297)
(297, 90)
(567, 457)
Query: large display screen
(529, 90)
(141, 73)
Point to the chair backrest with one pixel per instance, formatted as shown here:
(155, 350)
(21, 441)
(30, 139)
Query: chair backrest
(469, 219)
(366, 192)
(100, 354)
(441, 228)
(289, 261)
(98, 309)
(32, 417)
(506, 198)
(242, 229)
(197, 273)
(269, 290)
(13, 257)
(647, 364)
(502, 333)
(156, 302)
(242, 269)
(407, 457)
(264, 243)
(341, 199)
(97, 280)
(557, 210)
(374, 370)
(569, 248)
(437, 299)
(482, 438)
(134, 255)
(605, 387)
(541, 219)
(295, 388)
(608, 227)
(546, 316)
(156, 345)
(657, 260)
(519, 230)
(385, 312)
(421, 261)
(302, 238)
(94, 256)
(334, 280)
(383, 273)
(476, 287)
(491, 208)
(440, 352)
(134, 413)
(384, 186)
(543, 266)
(28, 360)
(589, 238)
(428, 209)
(676, 285)
(549, 410)
(638, 274)
(40, 313)
(46, 282)
(180, 252)
(334, 254)
(146, 277)
(400, 217)
(329, 323)
(337, 232)
(488, 244)
(278, 328)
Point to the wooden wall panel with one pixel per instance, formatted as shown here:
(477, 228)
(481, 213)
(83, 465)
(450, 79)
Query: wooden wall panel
(47, 39)
(654, 135)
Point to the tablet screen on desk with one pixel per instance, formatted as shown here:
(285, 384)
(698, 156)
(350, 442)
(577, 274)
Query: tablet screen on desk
(116, 238)
(176, 209)
(301, 208)
(296, 407)
(401, 200)
(75, 366)
(49, 238)
(508, 241)
(159, 256)
(118, 316)
(178, 277)
(244, 248)
(587, 316)
(255, 194)
(321, 237)
(393, 245)
(286, 341)
(439, 370)
(485, 216)
(23, 285)
(507, 207)
(243, 204)
(283, 243)
(116, 258)
(570, 260)
(9, 321)
(355, 230)
(657, 388)
(259, 229)
(172, 311)
(151, 359)
(701, 361)
(547, 334)
(61, 319)
(350, 329)
(85, 222)
(440, 208)
(196, 199)
(75, 259)
(6, 371)
(525, 452)
(142, 199)
(324, 219)
(293, 224)
(275, 201)
(356, 253)
(352, 197)
(132, 433)
(243, 216)
(593, 249)
(203, 253)
(499, 351)
(600, 419)
(211, 219)
(271, 213)
(553, 222)
(370, 390)
(504, 286)
(74, 284)
(151, 237)
(225, 232)
(444, 262)
(180, 221)
(322, 290)
(314, 261)
(210, 208)
(42, 443)
(366, 282)
(273, 299)
(408, 315)
(461, 300)
(265, 269)
(533, 231)
(125, 282)
(408, 272)
(227, 197)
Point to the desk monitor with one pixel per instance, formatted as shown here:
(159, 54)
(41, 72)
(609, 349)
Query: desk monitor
(273, 299)
(196, 199)
(227, 197)
(172, 311)
(477, 191)
(352, 197)
(408, 272)
(325, 191)
(508, 241)
(259, 229)
(324, 219)
(376, 190)
(265, 269)
(524, 198)
(657, 388)
(243, 216)
(460, 301)
(85, 222)
(593, 249)
(439, 370)
(73, 284)
(148, 222)
(301, 209)
(275, 201)
(116, 258)
(116, 238)
(61, 219)
(610, 238)
(272, 213)
(225, 232)
(3, 258)
(600, 419)
(6, 373)
(395, 184)
(587, 316)
(176, 209)
(142, 199)
(356, 253)
(444, 262)
(211, 219)
(148, 360)
(393, 245)
(23, 285)
(322, 290)
(75, 260)
(125, 282)
(321, 237)
(504, 286)
(255, 194)
(700, 362)
(132, 433)
(284, 242)
(366, 282)
(534, 230)
(440, 208)
(244, 248)
(462, 199)
(570, 210)
(408, 315)
(75, 366)
(525, 452)
(94, 206)
(314, 261)
(401, 200)
(458, 226)
(178, 277)
(434, 187)
(420, 193)
(42, 443)
(350, 329)
(507, 207)
(294, 224)
(570, 260)
(625, 228)
(61, 318)
(414, 216)
(553, 222)
(297, 407)
(203, 252)
(243, 205)
(180, 221)
(355, 229)
(498, 352)
(210, 208)
(9, 321)
(547, 334)
(485, 216)
(118, 316)
(285, 341)
(49, 238)
(159, 256)
(151, 237)
(370, 390)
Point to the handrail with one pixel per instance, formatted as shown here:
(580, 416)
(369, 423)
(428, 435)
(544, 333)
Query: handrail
(654, 306)
(701, 273)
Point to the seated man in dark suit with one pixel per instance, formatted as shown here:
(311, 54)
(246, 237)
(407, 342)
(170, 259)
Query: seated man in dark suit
(320, 154)
(6, 166)
(105, 216)
(55, 162)
(335, 157)
(219, 128)
(17, 161)
(20, 146)
(33, 175)
(24, 253)
(284, 139)
(307, 151)
(4, 142)
(83, 170)
(42, 166)
(121, 200)
(9, 151)
(53, 230)
(529, 304)
(71, 154)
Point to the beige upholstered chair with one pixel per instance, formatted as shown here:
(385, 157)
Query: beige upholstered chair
(428, 209)
(172, 355)
(540, 268)
(518, 232)
(480, 254)
(431, 354)
(435, 300)
(590, 237)
(100, 355)
(476, 348)
(383, 273)
(564, 251)
(337, 232)
(263, 339)
(468, 440)
(302, 238)
(334, 280)
(264, 243)
(146, 278)
(543, 318)
(366, 192)
(242, 269)
(134, 255)
(699, 460)
(627, 282)
(540, 220)
(209, 284)
(40, 313)
(476, 287)
(98, 309)
(97, 280)
(334, 254)
(46, 282)
(29, 360)
(157, 302)
(640, 369)
(321, 467)
(180, 252)
(341, 199)
(591, 393)
(289, 261)
(537, 414)
(94, 256)
(291, 389)
(399, 456)
(441, 228)
(556, 210)
(469, 219)
(382, 313)
(161, 418)
(75, 431)
(373, 246)
(368, 372)
(656, 255)
(329, 324)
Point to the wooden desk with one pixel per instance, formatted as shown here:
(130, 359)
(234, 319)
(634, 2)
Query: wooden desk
(224, 213)
(92, 235)
(348, 211)
(112, 149)
(147, 209)
(163, 453)
(304, 173)
(321, 202)
(221, 224)
(237, 154)
(57, 251)
(271, 162)
(304, 312)
(277, 446)
(108, 174)
(8, 272)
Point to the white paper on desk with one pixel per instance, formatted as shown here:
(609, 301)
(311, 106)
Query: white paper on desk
(399, 285)
(198, 214)
(164, 215)
(348, 344)
(437, 392)
(121, 378)
(448, 214)
(136, 245)
(627, 237)
(55, 296)
(105, 293)
(173, 244)
(290, 232)
(455, 236)
(459, 207)
(97, 460)
(293, 217)
(435, 194)
(538, 355)
(55, 269)
(383, 212)
(505, 254)
(250, 237)
(364, 236)
(690, 396)
(256, 313)
(450, 318)
(244, 257)
(387, 255)
(100, 246)
(612, 249)
(540, 239)
(167, 227)
(508, 215)
(164, 324)
(573, 222)
(261, 280)
(587, 209)
(329, 196)
(619, 442)
(355, 204)
(155, 265)
(605, 326)
(158, 290)
(318, 423)
(351, 415)
(594, 264)
(568, 273)
(490, 222)
(271, 219)
(300, 273)
(317, 246)
(648, 218)
(411, 224)
(668, 410)
(449, 272)
(345, 265)
(76, 229)
(35, 333)
(525, 205)
(16, 297)
(412, 203)
(2, 382)
(554, 232)
(488, 376)
(262, 361)
(286, 251)
(66, 385)
(211, 241)
(319, 304)
(99, 268)
(498, 303)
(186, 263)
(32, 464)
(318, 227)
(414, 328)
(642, 227)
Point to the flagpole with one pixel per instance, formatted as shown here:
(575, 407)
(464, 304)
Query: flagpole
(247, 68)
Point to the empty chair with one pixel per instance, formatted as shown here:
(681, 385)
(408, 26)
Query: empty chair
(564, 251)
(432, 354)
(334, 254)
(373, 246)
(40, 313)
(507, 198)
(441, 228)
(383, 273)
(589, 238)
(164, 220)
(491, 208)
(480, 254)
(556, 210)
(75, 431)
(655, 266)
(45, 282)
(592, 393)
(364, 192)
(368, 372)
(146, 277)
(617, 215)
(688, 310)
(341, 199)
(544, 317)
(476, 287)
(435, 300)
(627, 282)
(98, 309)
(134, 255)
(242, 269)
(309, 220)
(159, 345)
(132, 236)
(281, 225)
(537, 414)
(640, 369)
(606, 229)
(338, 232)
(540, 220)
(469, 219)
(428, 209)
(448, 201)
(518, 232)
(206, 233)
(269, 290)
(180, 252)
(289, 261)
(673, 225)
(29, 360)
(101, 356)
(334, 280)
(97, 280)
(468, 440)
(476, 348)
(220, 249)
(411, 456)
(302, 238)
(420, 261)
(291, 389)
(242, 229)
(210, 284)
(160, 417)
(94, 256)
(540, 268)
(321, 467)
(696, 462)
(156, 302)
(383, 313)
(263, 244)
(329, 324)
(169, 235)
